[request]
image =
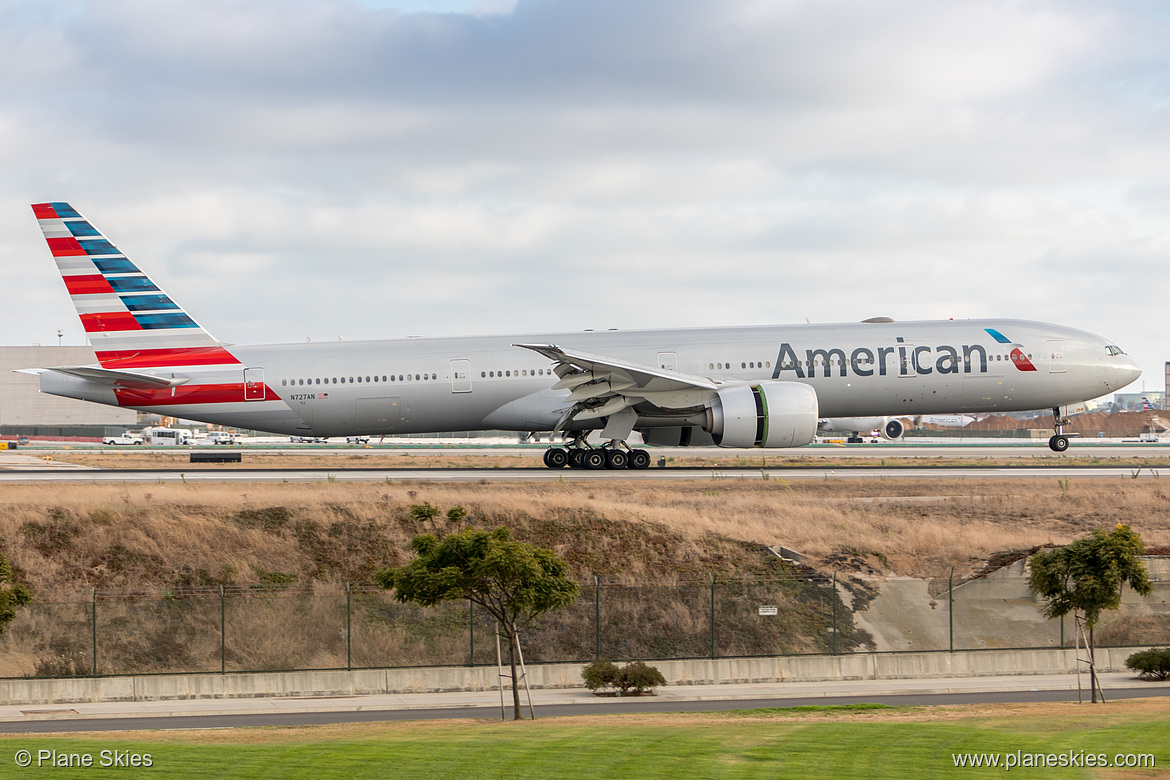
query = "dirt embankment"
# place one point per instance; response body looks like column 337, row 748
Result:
column 67, row 537
column 1089, row 424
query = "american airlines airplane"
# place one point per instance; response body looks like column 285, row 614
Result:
column 742, row 387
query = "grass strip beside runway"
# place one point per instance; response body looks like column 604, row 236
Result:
column 803, row 742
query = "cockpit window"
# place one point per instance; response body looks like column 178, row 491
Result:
column 1114, row 350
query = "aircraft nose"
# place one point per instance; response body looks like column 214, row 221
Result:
column 1125, row 371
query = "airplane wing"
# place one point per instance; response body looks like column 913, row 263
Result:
column 600, row 386
column 115, row 378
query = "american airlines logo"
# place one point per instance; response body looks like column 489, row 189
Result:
column 902, row 359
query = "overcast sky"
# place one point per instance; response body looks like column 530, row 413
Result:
column 379, row 168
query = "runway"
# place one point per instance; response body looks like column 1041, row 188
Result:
column 537, row 474
column 926, row 450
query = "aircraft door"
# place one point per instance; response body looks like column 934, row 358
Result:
column 668, row 361
column 253, row 384
column 460, row 376
column 1056, row 357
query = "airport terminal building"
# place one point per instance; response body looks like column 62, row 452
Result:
column 26, row 411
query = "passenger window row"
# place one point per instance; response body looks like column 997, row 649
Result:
column 522, row 372
column 749, row 364
column 359, row 380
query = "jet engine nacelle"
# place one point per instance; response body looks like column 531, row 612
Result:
column 770, row 414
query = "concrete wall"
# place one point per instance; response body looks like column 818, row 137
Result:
column 861, row 666
column 997, row 611
column 23, row 404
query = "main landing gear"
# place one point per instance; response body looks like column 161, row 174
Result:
column 1059, row 442
column 579, row 455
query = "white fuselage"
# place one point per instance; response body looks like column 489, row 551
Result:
column 484, row 382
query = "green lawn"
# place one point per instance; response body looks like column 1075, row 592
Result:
column 804, row 743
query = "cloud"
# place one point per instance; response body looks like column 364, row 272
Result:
column 390, row 168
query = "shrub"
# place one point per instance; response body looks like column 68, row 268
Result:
column 600, row 674
column 1152, row 664
column 639, row 678
column 634, row 678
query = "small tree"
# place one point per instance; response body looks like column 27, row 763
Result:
column 635, row 676
column 514, row 581
column 1087, row 576
column 12, row 594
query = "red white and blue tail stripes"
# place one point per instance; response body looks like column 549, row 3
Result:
column 130, row 321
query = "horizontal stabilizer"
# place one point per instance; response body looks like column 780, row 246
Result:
column 106, row 376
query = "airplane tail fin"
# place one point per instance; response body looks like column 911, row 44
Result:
column 130, row 321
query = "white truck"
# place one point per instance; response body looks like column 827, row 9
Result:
column 123, row 438
column 223, row 437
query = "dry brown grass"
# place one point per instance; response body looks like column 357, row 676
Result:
column 146, row 535
column 66, row 538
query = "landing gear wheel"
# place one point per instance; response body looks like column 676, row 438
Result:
column 593, row 459
column 639, row 459
column 575, row 459
column 616, row 459
column 556, row 457
column 1058, row 443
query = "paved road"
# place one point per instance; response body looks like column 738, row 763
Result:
column 580, row 706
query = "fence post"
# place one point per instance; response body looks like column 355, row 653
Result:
column 93, row 623
column 348, row 630
column 834, row 596
column 951, row 606
column 712, row 615
column 471, row 628
column 222, row 632
column 596, row 618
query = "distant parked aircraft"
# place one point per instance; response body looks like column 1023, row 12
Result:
column 946, row 420
column 887, row 428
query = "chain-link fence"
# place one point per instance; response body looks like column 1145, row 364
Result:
column 271, row 628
